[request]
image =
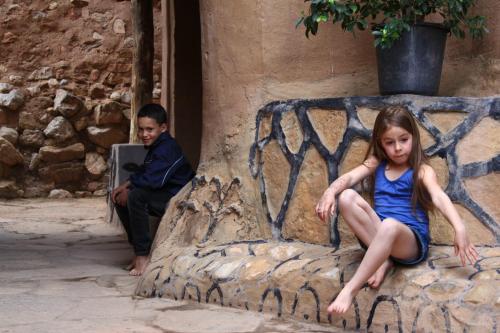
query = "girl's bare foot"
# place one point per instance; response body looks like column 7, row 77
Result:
column 342, row 302
column 140, row 265
column 378, row 277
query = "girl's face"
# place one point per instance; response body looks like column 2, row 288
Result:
column 397, row 144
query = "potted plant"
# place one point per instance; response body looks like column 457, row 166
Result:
column 409, row 50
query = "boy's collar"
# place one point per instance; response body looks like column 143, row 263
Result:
column 162, row 137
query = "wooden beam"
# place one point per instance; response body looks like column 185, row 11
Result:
column 143, row 55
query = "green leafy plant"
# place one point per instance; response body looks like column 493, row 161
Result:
column 394, row 17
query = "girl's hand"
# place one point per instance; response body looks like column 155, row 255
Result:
column 464, row 248
column 326, row 205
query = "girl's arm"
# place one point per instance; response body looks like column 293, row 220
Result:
column 463, row 247
column 326, row 205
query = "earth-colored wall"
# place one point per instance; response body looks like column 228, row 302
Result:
column 244, row 233
column 252, row 55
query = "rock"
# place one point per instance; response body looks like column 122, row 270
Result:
column 56, row 154
column 126, row 97
column 63, row 82
column 3, row 117
column 16, row 80
column 79, row 3
column 100, row 193
column 5, row 87
column 156, row 93
column 119, row 27
column 82, row 194
column 53, row 83
column 35, row 161
column 67, row 104
column 12, row 8
column 43, row 73
column 116, row 96
column 59, row 194
column 8, row 189
column 126, row 113
column 9, row 37
column 34, row 90
column 59, row 129
column 94, row 186
column 9, row 134
column 12, row 100
column 105, row 137
column 35, row 114
column 97, row 90
column 9, row 154
column 95, row 164
column 32, row 138
column 108, row 113
column 97, row 36
column 65, row 172
column 38, row 15
column 129, row 42
column 53, row 5
column 81, row 123
column 94, row 75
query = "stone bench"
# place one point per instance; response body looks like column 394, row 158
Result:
column 254, row 241
column 299, row 280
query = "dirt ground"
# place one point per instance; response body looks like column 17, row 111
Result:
column 61, row 270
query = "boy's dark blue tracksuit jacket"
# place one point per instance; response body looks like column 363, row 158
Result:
column 165, row 167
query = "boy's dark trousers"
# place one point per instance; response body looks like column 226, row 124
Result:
column 135, row 216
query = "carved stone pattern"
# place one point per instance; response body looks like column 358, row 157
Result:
column 444, row 145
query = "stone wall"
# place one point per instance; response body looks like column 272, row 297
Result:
column 64, row 94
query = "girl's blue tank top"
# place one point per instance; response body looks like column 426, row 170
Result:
column 392, row 198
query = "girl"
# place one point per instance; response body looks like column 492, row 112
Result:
column 404, row 189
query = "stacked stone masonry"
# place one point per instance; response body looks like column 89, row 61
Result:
column 291, row 264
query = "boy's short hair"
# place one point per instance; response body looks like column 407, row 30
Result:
column 153, row 111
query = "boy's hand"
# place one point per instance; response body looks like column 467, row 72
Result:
column 120, row 194
column 326, row 205
column 464, row 248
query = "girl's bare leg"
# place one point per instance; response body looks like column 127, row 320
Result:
column 392, row 238
column 364, row 223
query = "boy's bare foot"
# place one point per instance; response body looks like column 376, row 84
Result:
column 131, row 265
column 140, row 265
column 378, row 277
column 342, row 302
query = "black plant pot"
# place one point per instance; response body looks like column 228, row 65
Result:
column 413, row 64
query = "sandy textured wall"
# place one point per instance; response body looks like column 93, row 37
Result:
column 253, row 55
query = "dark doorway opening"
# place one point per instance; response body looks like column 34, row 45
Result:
column 187, row 99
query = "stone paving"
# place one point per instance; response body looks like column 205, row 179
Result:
column 61, row 271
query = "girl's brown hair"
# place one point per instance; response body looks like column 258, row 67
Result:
column 400, row 117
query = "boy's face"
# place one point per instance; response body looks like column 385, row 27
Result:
column 149, row 130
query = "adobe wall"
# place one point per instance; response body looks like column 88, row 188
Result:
column 277, row 129
column 244, row 69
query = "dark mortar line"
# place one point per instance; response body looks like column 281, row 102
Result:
column 215, row 286
column 297, row 257
column 294, row 171
column 307, row 287
column 263, row 197
column 478, row 169
column 277, row 296
column 191, row 285
column 380, row 299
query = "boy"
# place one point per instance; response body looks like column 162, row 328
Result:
column 164, row 172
